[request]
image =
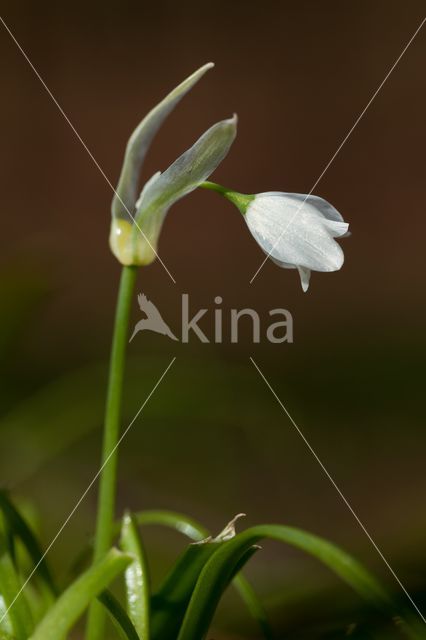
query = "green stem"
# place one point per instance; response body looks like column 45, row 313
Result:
column 108, row 476
column 240, row 200
column 212, row 186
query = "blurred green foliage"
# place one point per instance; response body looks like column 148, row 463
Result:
column 215, row 421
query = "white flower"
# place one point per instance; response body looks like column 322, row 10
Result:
column 297, row 231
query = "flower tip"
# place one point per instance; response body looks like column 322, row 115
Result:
column 127, row 520
column 203, row 69
column 305, row 275
column 233, row 122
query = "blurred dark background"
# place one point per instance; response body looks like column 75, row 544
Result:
column 213, row 441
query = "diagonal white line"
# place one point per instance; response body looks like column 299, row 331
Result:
column 341, row 145
column 339, row 491
column 84, row 145
column 82, row 497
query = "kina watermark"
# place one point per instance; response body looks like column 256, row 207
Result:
column 277, row 330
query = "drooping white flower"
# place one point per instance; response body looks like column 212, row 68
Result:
column 137, row 221
column 297, row 231
column 294, row 230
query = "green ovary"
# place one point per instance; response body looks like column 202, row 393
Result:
column 129, row 245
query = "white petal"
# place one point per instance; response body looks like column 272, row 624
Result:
column 305, row 276
column 296, row 232
column 283, row 265
column 322, row 206
column 139, row 142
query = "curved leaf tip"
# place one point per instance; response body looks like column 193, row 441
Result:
column 125, row 196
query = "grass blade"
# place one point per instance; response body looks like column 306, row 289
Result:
column 19, row 528
column 195, row 531
column 169, row 603
column 72, row 603
column 19, row 614
column 181, row 523
column 215, row 575
column 340, row 562
column 253, row 604
column 122, row 621
column 136, row 578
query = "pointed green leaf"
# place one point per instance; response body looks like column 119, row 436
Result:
column 120, row 618
column 211, row 584
column 72, row 603
column 194, row 530
column 139, row 142
column 169, row 603
column 136, row 577
column 215, row 575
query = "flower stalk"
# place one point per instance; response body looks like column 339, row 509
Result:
column 240, row 200
column 108, row 474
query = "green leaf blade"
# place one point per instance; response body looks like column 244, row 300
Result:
column 197, row 532
column 19, row 528
column 120, row 618
column 215, row 575
column 174, row 520
column 169, row 603
column 136, row 578
column 253, row 604
column 17, row 612
column 340, row 562
column 72, row 603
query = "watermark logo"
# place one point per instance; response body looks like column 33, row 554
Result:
column 153, row 320
column 278, row 330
